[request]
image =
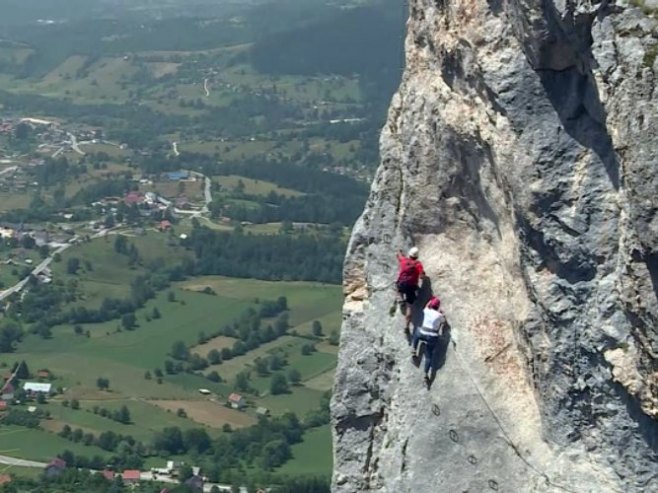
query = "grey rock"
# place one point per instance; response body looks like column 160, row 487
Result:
column 520, row 155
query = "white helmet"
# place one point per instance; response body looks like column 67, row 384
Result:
column 413, row 252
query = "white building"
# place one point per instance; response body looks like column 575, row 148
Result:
column 37, row 388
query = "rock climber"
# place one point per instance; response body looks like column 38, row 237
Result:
column 409, row 278
column 429, row 332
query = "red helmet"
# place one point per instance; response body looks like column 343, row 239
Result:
column 434, row 303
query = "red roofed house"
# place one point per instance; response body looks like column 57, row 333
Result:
column 7, row 392
column 4, row 479
column 132, row 198
column 131, row 476
column 43, row 374
column 109, row 475
column 164, row 225
column 236, row 401
column 55, row 467
column 3, row 406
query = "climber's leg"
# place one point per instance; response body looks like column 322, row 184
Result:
column 430, row 346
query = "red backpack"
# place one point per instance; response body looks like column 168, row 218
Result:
column 408, row 271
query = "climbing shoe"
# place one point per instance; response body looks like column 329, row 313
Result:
column 428, row 381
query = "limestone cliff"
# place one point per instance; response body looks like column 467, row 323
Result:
column 521, row 156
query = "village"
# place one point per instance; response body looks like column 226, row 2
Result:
column 37, row 391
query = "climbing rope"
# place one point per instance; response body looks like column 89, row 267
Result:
column 506, row 436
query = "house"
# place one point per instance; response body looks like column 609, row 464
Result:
column 37, row 387
column 204, row 391
column 109, row 475
column 263, row 411
column 43, row 374
column 236, row 401
column 131, row 476
column 133, row 198
column 176, row 175
column 55, row 467
column 182, row 203
column 5, row 479
column 164, row 225
column 3, row 406
column 7, row 393
column 195, row 483
column 7, row 233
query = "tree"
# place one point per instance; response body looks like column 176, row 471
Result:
column 180, row 412
column 226, row 353
column 294, row 376
column 317, row 328
column 77, row 329
column 169, row 440
column 307, row 349
column 275, row 454
column 197, row 439
column 334, row 338
column 155, row 314
column 185, row 472
column 279, row 384
column 180, row 351
column 121, row 244
column 214, row 357
column 123, row 415
column 102, row 383
column 129, row 321
column 171, row 296
column 242, row 381
column 147, row 375
column 10, row 333
column 158, row 373
column 22, row 370
column 213, row 376
column 72, row 266
column 22, row 131
column 261, row 366
column 75, row 404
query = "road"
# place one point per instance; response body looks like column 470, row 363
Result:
column 74, row 144
column 11, row 461
column 207, row 191
column 45, row 263
column 8, row 170
column 36, row 271
column 205, row 87
column 174, row 146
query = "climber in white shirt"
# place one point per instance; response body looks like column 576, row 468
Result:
column 429, row 332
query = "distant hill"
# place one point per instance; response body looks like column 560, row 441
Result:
column 364, row 40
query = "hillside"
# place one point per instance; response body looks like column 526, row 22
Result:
column 519, row 157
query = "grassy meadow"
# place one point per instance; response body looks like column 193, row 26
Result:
column 125, row 356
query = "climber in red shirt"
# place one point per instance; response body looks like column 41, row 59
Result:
column 409, row 277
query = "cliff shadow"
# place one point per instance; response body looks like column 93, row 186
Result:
column 575, row 98
column 440, row 355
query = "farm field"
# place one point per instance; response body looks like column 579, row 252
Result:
column 253, row 187
column 38, row 445
column 124, row 357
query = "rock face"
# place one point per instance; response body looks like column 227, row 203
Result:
column 521, row 156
